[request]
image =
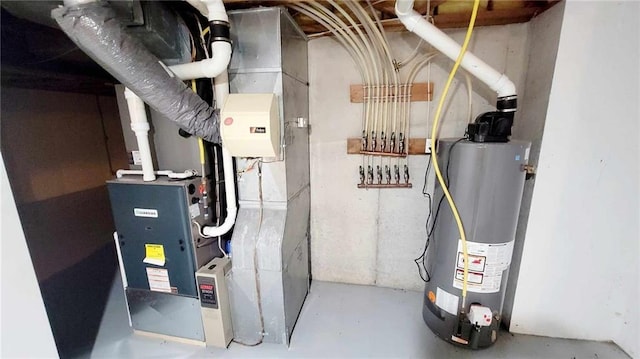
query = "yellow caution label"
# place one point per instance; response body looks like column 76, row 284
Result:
column 154, row 254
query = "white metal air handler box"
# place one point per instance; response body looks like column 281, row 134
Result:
column 250, row 125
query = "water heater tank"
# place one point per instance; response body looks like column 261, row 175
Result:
column 486, row 181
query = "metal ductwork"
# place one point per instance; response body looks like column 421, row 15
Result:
column 95, row 28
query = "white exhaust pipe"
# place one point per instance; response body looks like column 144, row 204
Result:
column 216, row 67
column 222, row 91
column 415, row 23
column 140, row 126
column 208, row 68
column 220, row 48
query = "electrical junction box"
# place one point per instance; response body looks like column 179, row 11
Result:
column 250, row 125
column 214, row 302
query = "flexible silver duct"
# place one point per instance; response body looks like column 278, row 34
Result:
column 96, row 30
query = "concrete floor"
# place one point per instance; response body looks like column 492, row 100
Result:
column 343, row 321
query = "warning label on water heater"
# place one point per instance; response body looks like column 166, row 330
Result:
column 487, row 262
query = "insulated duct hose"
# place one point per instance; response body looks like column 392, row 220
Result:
column 96, row 30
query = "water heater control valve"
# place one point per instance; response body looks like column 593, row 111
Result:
column 480, row 316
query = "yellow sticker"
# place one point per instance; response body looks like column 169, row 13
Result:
column 154, row 254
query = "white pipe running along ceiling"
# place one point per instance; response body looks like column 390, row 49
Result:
column 415, row 23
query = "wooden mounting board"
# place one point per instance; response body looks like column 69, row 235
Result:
column 420, row 91
column 416, row 146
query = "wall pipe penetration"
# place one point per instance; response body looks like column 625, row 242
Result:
column 415, row 23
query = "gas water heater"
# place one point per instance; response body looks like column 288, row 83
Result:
column 486, row 179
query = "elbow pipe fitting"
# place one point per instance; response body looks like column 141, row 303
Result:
column 403, row 7
column 414, row 22
column 209, row 68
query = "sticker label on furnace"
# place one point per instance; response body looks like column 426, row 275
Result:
column 487, row 261
column 158, row 280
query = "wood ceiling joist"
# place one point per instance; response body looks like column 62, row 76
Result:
column 494, row 12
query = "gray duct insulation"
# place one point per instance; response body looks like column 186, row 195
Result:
column 97, row 31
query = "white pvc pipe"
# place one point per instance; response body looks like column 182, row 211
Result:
column 173, row 175
column 220, row 50
column 415, row 23
column 208, row 68
column 216, row 10
column 222, row 91
column 140, row 126
column 212, row 9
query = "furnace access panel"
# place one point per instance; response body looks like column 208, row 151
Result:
column 153, row 221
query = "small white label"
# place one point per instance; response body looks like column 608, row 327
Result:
column 194, row 210
column 487, row 261
column 427, row 146
column 137, row 159
column 145, row 212
column 158, row 280
column 526, row 154
column 447, row 301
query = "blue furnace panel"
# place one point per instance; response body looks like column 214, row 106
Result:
column 171, row 228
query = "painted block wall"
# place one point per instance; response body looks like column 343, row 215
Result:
column 24, row 318
column 372, row 236
column 544, row 35
column 58, row 156
column 579, row 275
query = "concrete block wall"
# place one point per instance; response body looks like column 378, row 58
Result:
column 372, row 236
